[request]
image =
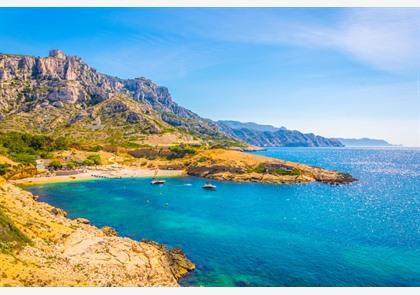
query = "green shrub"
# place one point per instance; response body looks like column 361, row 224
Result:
column 72, row 164
column 55, row 165
column 180, row 151
column 95, row 148
column 88, row 162
column 96, row 159
column 25, row 158
column 287, row 172
column 279, row 171
column 260, row 169
column 4, row 168
column 25, row 148
column 131, row 145
column 46, row 155
column 202, row 159
column 60, row 144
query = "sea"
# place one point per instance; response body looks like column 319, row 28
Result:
column 246, row 234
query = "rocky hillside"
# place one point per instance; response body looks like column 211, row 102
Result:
column 62, row 95
column 270, row 136
column 39, row 246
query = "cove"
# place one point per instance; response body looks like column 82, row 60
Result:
column 362, row 234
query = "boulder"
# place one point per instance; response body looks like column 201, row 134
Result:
column 82, row 220
column 133, row 118
column 109, row 231
column 58, row 212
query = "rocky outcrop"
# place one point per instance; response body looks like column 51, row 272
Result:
column 47, row 249
column 269, row 136
column 241, row 167
column 31, row 84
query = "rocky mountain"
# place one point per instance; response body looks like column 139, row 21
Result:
column 248, row 125
column 267, row 135
column 62, row 95
column 363, row 142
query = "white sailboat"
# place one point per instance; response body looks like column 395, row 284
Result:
column 156, row 180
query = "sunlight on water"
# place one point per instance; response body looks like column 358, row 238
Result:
column 363, row 234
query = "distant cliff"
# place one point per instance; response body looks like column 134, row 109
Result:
column 363, row 142
column 267, row 135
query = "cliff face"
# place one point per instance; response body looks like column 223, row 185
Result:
column 69, row 88
column 39, row 246
column 269, row 136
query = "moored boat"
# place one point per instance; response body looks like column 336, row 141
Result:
column 209, row 186
column 157, row 181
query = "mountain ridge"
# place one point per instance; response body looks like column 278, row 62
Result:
column 364, row 142
column 262, row 136
column 53, row 94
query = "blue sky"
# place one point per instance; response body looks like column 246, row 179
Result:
column 335, row 72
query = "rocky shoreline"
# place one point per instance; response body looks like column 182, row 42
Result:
column 242, row 167
column 52, row 250
column 40, row 246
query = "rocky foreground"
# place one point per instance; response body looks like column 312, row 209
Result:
column 39, row 246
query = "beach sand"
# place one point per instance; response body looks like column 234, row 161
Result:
column 98, row 173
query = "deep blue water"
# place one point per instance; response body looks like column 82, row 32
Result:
column 363, row 234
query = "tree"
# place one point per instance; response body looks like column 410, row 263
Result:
column 71, row 164
column 55, row 165
column 96, row 159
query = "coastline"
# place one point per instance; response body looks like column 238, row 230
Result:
column 46, row 248
column 98, row 173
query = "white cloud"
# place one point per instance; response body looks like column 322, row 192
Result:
column 386, row 38
column 383, row 38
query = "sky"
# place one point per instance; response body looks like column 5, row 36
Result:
column 336, row 72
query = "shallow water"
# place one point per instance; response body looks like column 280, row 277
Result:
column 363, row 234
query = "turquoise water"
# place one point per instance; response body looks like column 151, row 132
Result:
column 363, row 234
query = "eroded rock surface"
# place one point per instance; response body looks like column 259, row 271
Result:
column 64, row 252
column 242, row 167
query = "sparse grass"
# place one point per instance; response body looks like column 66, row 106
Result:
column 287, row 172
column 202, row 159
column 11, row 237
column 132, row 145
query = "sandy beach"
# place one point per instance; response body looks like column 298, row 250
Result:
column 98, row 173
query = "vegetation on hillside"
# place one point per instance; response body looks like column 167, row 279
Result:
column 10, row 236
column 26, row 148
column 273, row 169
column 4, row 168
column 180, row 151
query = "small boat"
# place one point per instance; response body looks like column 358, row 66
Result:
column 157, row 181
column 209, row 186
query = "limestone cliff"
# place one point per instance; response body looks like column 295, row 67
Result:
column 39, row 246
column 58, row 91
